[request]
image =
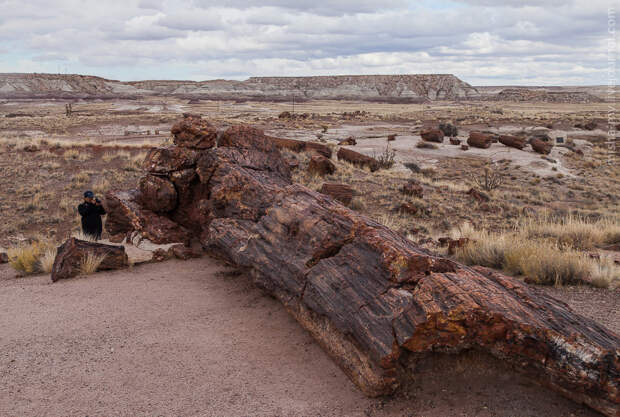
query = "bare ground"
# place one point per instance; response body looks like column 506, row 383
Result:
column 192, row 339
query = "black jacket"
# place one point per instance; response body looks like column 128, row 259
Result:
column 91, row 218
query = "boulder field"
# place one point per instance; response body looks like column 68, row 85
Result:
column 373, row 300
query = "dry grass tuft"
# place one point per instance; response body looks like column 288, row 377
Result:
column 46, row 261
column 90, row 263
column 26, row 258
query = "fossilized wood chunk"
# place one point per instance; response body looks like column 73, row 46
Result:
column 194, row 132
column 479, row 140
column 339, row 192
column 432, row 135
column 157, row 193
column 164, row 160
column 540, row 146
column 512, row 141
column 319, row 165
column 357, row 159
column 73, row 252
column 125, row 214
column 302, row 146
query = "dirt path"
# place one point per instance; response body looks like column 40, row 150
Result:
column 187, row 339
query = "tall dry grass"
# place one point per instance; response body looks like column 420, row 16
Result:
column 573, row 231
column 549, row 258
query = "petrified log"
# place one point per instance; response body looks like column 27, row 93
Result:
column 302, row 146
column 376, row 302
column 339, row 192
column 357, row 159
column 319, row 165
column 164, row 160
column 194, row 132
column 73, row 252
column 125, row 214
column 540, row 146
column 157, row 193
column 432, row 135
column 512, row 141
column 479, row 140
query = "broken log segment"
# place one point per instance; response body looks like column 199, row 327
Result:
column 358, row 159
column 374, row 300
column 71, row 254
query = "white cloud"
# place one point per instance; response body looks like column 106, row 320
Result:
column 481, row 41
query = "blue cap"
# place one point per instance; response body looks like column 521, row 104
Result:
column 89, row 194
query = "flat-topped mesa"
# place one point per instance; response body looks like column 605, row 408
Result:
column 372, row 299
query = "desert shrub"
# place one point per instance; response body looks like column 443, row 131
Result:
column 80, row 235
column 386, row 158
column 90, row 263
column 490, row 178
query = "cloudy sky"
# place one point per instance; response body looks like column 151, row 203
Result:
column 484, row 42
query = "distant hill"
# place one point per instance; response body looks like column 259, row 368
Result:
column 396, row 88
column 413, row 88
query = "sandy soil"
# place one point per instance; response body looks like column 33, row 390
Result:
column 192, row 339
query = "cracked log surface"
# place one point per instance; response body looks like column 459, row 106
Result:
column 372, row 299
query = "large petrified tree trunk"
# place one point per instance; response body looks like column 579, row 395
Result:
column 371, row 298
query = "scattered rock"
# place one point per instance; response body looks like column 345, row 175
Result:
column 479, row 140
column 455, row 141
column 194, row 132
column 185, row 252
column 408, row 208
column 4, row 258
column 357, row 159
column 412, row 188
column 512, row 141
column 391, row 137
column 478, row 195
column 30, row 148
column 448, row 129
column 591, row 125
column 319, row 165
column 340, row 192
column 71, row 254
column 453, row 244
column 464, row 147
column 540, row 146
column 350, row 141
column 425, row 145
column 489, row 208
column 432, row 135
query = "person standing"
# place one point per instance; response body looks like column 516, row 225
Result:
column 91, row 211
